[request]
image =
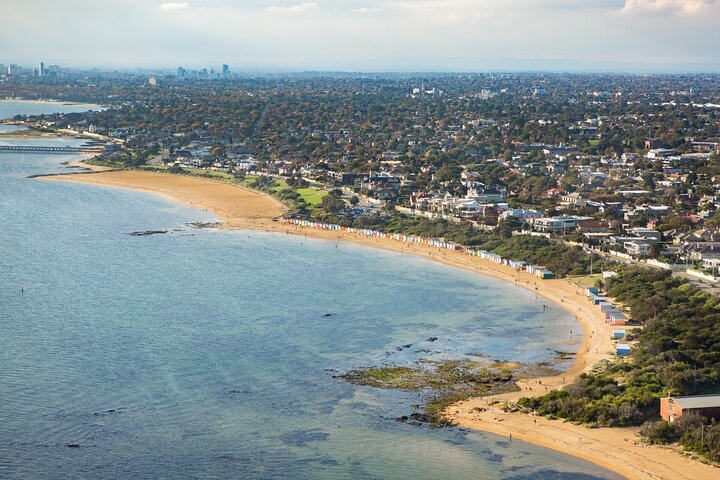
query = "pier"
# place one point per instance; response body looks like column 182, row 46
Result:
column 49, row 149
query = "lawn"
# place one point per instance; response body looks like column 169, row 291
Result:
column 153, row 167
column 193, row 171
column 585, row 281
column 312, row 196
column 210, row 173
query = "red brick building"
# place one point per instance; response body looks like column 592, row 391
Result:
column 672, row 408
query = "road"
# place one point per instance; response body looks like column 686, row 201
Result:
column 704, row 285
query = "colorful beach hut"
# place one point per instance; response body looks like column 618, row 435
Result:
column 618, row 318
column 622, row 349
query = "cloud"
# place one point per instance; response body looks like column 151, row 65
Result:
column 684, row 7
column 366, row 10
column 328, row 34
column 300, row 8
column 174, row 6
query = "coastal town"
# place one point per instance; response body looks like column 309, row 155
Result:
column 607, row 183
column 623, row 167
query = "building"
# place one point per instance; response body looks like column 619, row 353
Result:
column 593, row 226
column 41, row 70
column 563, row 223
column 660, row 153
column 652, row 144
column 521, row 214
column 646, row 233
column 485, row 194
column 702, row 251
column 618, row 318
column 672, row 408
column 153, row 81
column 622, row 349
column 636, row 248
column 573, row 199
column 225, row 70
column 706, row 146
column 346, row 178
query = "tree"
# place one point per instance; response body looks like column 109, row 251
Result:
column 332, row 203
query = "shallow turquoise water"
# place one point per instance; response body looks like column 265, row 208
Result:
column 203, row 353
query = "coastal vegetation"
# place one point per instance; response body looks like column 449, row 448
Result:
column 677, row 352
column 691, row 431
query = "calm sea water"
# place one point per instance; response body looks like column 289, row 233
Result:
column 206, row 354
column 9, row 108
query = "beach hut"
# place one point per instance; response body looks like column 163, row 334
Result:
column 618, row 334
column 597, row 299
column 618, row 319
column 605, row 306
column 544, row 274
column 622, row 349
column 591, row 291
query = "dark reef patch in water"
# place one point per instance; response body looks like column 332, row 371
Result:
column 301, row 438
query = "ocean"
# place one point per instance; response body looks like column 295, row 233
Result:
column 203, row 353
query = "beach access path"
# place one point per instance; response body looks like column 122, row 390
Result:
column 613, row 448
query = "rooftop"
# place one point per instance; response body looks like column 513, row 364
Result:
column 698, row 401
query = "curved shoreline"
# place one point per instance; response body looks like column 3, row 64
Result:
column 248, row 209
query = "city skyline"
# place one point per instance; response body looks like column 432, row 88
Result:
column 370, row 35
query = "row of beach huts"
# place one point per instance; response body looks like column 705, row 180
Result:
column 613, row 316
column 537, row 271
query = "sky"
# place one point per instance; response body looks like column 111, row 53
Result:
column 365, row 35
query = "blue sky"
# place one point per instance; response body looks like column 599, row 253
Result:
column 366, row 34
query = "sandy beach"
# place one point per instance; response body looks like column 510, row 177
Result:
column 616, row 449
column 87, row 166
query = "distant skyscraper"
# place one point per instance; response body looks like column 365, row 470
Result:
column 41, row 70
column 181, row 72
column 226, row 70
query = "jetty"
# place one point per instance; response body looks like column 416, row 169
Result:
column 43, row 149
